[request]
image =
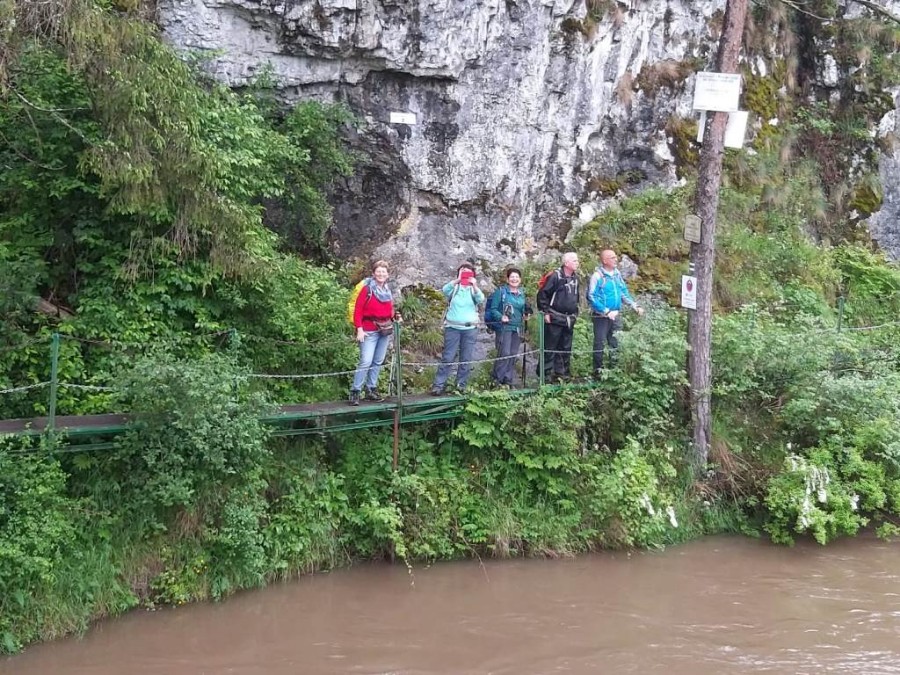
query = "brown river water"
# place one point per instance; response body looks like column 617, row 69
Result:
column 720, row 605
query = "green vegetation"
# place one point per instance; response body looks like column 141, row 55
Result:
column 132, row 222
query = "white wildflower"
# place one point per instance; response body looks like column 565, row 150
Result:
column 671, row 513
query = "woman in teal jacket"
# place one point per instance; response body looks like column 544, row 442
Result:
column 505, row 314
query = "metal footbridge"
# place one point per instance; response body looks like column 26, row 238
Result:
column 81, row 433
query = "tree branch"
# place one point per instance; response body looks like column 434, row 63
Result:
column 52, row 111
column 34, row 106
column 797, row 8
column 884, row 12
column 28, row 159
column 878, row 9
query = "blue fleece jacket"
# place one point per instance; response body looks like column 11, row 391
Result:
column 607, row 291
column 462, row 313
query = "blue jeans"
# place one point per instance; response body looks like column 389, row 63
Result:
column 456, row 340
column 371, row 357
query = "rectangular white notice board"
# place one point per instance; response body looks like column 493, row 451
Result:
column 688, row 291
column 403, row 118
column 717, row 91
column 735, row 129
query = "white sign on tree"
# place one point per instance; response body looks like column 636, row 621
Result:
column 717, row 91
column 735, row 129
column 688, row 292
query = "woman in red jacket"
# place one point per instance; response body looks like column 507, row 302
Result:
column 372, row 317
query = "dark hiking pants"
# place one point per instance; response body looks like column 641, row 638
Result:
column 604, row 333
column 557, row 350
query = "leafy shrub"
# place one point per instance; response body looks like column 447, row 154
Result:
column 37, row 529
column 196, row 432
column 641, row 397
column 629, row 497
column 831, row 491
column 304, row 526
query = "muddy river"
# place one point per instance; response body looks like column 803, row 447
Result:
column 721, row 605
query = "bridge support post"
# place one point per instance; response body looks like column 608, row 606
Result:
column 398, row 375
column 54, row 382
column 541, row 350
column 840, row 321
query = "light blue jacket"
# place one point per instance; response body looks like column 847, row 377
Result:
column 462, row 313
column 607, row 291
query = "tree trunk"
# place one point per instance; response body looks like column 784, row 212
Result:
column 703, row 253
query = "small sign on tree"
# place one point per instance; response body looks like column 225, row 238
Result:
column 720, row 92
column 688, row 292
column 735, row 130
column 692, row 225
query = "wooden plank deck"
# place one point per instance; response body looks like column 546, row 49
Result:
column 97, row 425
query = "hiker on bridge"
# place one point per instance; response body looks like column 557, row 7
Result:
column 606, row 293
column 558, row 298
column 460, row 325
column 373, row 316
column 505, row 314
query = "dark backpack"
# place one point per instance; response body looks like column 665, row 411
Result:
column 492, row 317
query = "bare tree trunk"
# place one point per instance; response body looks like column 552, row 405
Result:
column 703, row 253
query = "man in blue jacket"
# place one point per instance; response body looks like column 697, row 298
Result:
column 606, row 293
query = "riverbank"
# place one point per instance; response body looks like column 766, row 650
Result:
column 196, row 502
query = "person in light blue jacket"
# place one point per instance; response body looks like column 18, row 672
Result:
column 460, row 324
column 606, row 293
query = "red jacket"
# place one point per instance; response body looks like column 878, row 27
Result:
column 369, row 307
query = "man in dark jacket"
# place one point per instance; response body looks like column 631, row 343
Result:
column 558, row 299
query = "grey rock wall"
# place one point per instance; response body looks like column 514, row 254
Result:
column 518, row 105
column 885, row 225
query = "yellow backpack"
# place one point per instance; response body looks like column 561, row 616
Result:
column 354, row 294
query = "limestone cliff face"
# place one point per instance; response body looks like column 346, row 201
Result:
column 885, row 225
column 522, row 108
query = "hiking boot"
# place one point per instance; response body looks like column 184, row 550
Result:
column 374, row 395
column 354, row 397
column 437, row 391
column 461, row 391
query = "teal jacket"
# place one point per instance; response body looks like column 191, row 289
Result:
column 513, row 305
column 607, row 291
column 462, row 313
